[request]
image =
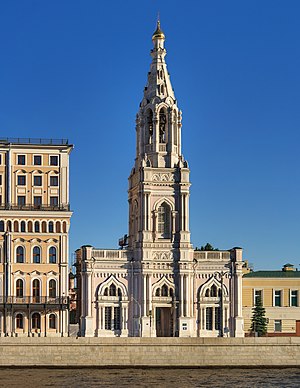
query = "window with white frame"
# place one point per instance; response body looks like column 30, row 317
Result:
column 294, row 298
column 257, row 297
column 277, row 298
column 278, row 325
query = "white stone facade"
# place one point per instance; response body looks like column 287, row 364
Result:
column 159, row 286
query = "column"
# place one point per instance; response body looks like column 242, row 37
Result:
column 181, row 295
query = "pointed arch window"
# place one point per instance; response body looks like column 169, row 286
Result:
column 149, row 132
column 19, row 288
column 51, row 227
column 1, row 226
column 36, row 255
column 36, row 227
column 164, row 221
column 20, row 254
column 52, row 255
column 162, row 126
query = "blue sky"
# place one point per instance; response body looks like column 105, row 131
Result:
column 77, row 69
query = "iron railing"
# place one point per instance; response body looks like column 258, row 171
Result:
column 10, row 206
column 29, row 140
column 34, row 300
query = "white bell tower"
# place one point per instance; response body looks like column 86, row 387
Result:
column 159, row 184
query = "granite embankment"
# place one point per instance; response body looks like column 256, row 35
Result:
column 150, row 352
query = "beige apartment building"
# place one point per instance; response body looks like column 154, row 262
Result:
column 34, row 227
column 279, row 292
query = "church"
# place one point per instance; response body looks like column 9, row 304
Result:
column 157, row 285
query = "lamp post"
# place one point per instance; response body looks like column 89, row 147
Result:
column 134, row 300
column 221, row 275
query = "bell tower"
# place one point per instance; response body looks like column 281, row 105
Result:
column 159, row 184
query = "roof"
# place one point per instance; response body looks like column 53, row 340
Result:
column 272, row 274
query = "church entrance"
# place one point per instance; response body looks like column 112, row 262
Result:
column 164, row 322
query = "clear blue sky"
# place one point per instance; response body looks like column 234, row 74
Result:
column 77, row 69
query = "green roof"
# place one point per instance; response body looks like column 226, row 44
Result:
column 273, row 274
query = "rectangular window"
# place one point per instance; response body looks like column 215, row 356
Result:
column 117, row 318
column 0, row 179
column 37, row 201
column 37, row 180
column 53, row 160
column 277, row 298
column 37, row 160
column 108, row 316
column 209, row 316
column 0, row 159
column 21, row 160
column 217, row 318
column 257, row 296
column 294, row 298
column 21, row 200
column 53, row 180
column 277, row 325
column 22, row 180
column 54, row 201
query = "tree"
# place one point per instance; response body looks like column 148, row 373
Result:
column 208, row 247
column 259, row 320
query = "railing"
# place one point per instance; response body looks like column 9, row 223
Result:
column 110, row 253
column 34, row 300
column 20, row 140
column 61, row 207
column 212, row 255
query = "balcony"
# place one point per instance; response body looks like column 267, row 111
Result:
column 28, row 207
column 34, row 300
column 36, row 141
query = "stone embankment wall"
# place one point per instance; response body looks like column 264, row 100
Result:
column 150, row 352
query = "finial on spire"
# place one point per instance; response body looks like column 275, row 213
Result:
column 158, row 34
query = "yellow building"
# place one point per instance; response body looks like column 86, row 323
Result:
column 34, row 227
column 279, row 292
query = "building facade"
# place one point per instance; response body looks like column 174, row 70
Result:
column 34, row 244
column 158, row 285
column 279, row 292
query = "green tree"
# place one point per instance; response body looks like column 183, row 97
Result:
column 259, row 320
column 208, row 247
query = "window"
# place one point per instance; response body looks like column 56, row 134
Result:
column 36, row 321
column 20, row 255
column 36, row 255
column 1, row 226
column 53, row 181
column 21, row 160
column 22, row 180
column 37, row 160
column 19, row 288
column 164, row 220
column 277, row 298
column 54, row 201
column 294, row 298
column 52, row 255
column 37, row 180
column 23, row 226
column 19, row 321
column 52, row 321
column 21, row 200
column 51, row 227
column 277, row 325
column 53, row 160
column 0, row 179
column 35, row 289
column 36, row 227
column 52, row 288
column 209, row 315
column 257, row 296
column 108, row 316
column 117, row 318
column 164, row 290
column 37, row 202
column 217, row 318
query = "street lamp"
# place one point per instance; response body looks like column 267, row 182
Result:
column 221, row 275
column 134, row 300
